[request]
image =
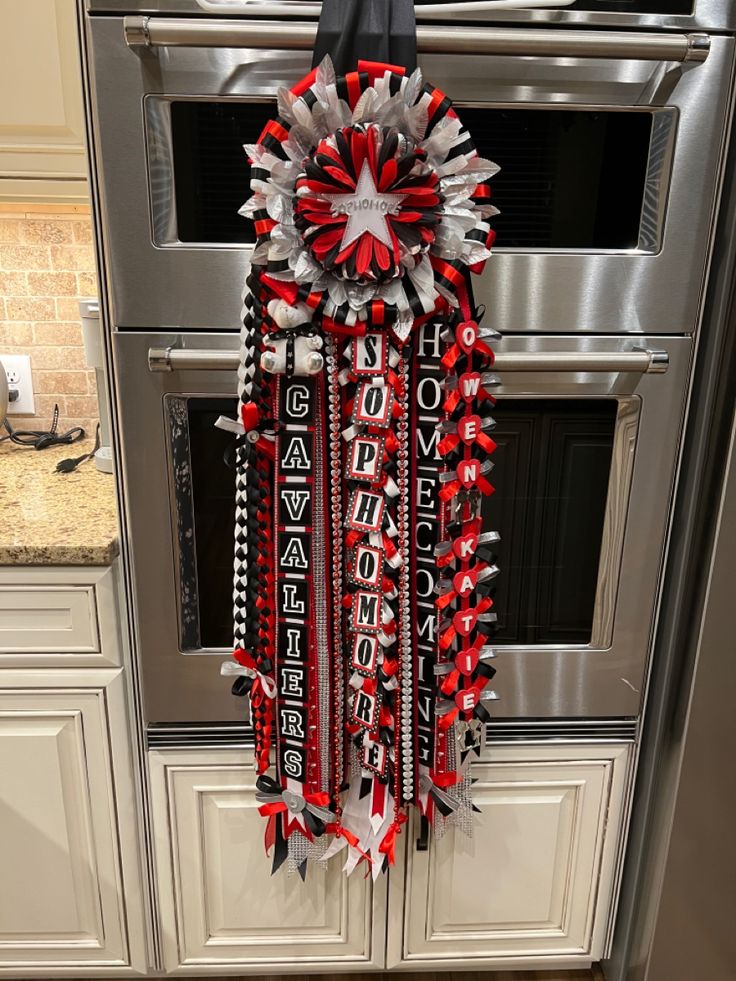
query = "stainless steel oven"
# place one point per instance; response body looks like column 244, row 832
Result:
column 609, row 143
column 588, row 434
column 608, row 120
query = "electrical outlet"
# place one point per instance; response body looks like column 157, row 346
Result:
column 18, row 372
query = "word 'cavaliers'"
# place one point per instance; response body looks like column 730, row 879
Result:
column 364, row 572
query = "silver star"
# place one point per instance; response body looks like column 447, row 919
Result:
column 366, row 209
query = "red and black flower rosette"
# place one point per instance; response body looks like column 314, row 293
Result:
column 401, row 188
column 404, row 140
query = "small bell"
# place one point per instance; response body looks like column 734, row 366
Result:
column 268, row 361
column 315, row 363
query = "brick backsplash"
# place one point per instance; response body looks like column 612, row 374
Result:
column 46, row 266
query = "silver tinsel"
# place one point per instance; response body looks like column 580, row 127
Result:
column 407, row 111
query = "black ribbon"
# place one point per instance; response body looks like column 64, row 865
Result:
column 368, row 30
column 302, row 330
column 267, row 785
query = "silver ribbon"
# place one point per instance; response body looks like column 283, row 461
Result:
column 295, row 804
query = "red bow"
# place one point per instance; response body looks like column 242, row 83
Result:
column 449, row 635
column 446, row 598
column 456, row 349
column 388, row 845
column 449, row 442
column 450, row 490
column 320, row 799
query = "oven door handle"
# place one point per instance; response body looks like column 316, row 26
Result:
column 154, row 32
column 636, row 361
column 428, row 10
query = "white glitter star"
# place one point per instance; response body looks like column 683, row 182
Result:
column 366, row 209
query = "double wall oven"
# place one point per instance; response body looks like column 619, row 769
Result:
column 608, row 121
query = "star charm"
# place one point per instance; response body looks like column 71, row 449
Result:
column 366, row 209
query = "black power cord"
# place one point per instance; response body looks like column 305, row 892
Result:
column 66, row 466
column 40, row 439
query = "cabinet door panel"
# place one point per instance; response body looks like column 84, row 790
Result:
column 534, row 880
column 219, row 902
column 42, row 125
column 61, row 896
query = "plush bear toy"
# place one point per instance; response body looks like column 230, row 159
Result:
column 295, row 348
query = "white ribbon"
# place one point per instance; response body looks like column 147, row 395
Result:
column 232, row 668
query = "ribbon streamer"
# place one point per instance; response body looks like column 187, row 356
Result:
column 370, row 206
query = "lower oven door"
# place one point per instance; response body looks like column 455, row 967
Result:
column 584, row 475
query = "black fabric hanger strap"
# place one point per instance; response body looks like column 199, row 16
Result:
column 369, row 30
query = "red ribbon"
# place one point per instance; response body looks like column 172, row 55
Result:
column 445, row 721
column 385, row 718
column 450, row 681
column 339, row 832
column 449, row 442
column 250, row 416
column 449, row 635
column 320, row 799
column 269, row 836
column 388, row 845
column 444, row 780
column 454, row 351
column 446, row 598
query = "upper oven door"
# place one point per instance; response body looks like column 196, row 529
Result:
column 608, row 181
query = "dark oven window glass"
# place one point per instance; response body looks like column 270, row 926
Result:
column 211, row 169
column 569, row 178
column 551, row 478
column 621, row 6
column 203, row 484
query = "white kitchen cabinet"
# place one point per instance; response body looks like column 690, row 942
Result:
column 42, row 126
column 533, row 887
column 219, row 906
column 70, row 884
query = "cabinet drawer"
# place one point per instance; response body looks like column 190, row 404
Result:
column 55, row 617
column 48, row 619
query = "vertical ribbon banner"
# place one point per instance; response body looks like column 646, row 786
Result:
column 363, row 576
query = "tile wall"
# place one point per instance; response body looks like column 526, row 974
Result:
column 46, row 266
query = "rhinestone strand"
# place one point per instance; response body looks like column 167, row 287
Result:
column 319, row 564
column 335, row 422
column 406, row 674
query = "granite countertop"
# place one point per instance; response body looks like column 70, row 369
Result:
column 49, row 518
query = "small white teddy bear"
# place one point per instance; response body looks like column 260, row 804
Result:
column 304, row 357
